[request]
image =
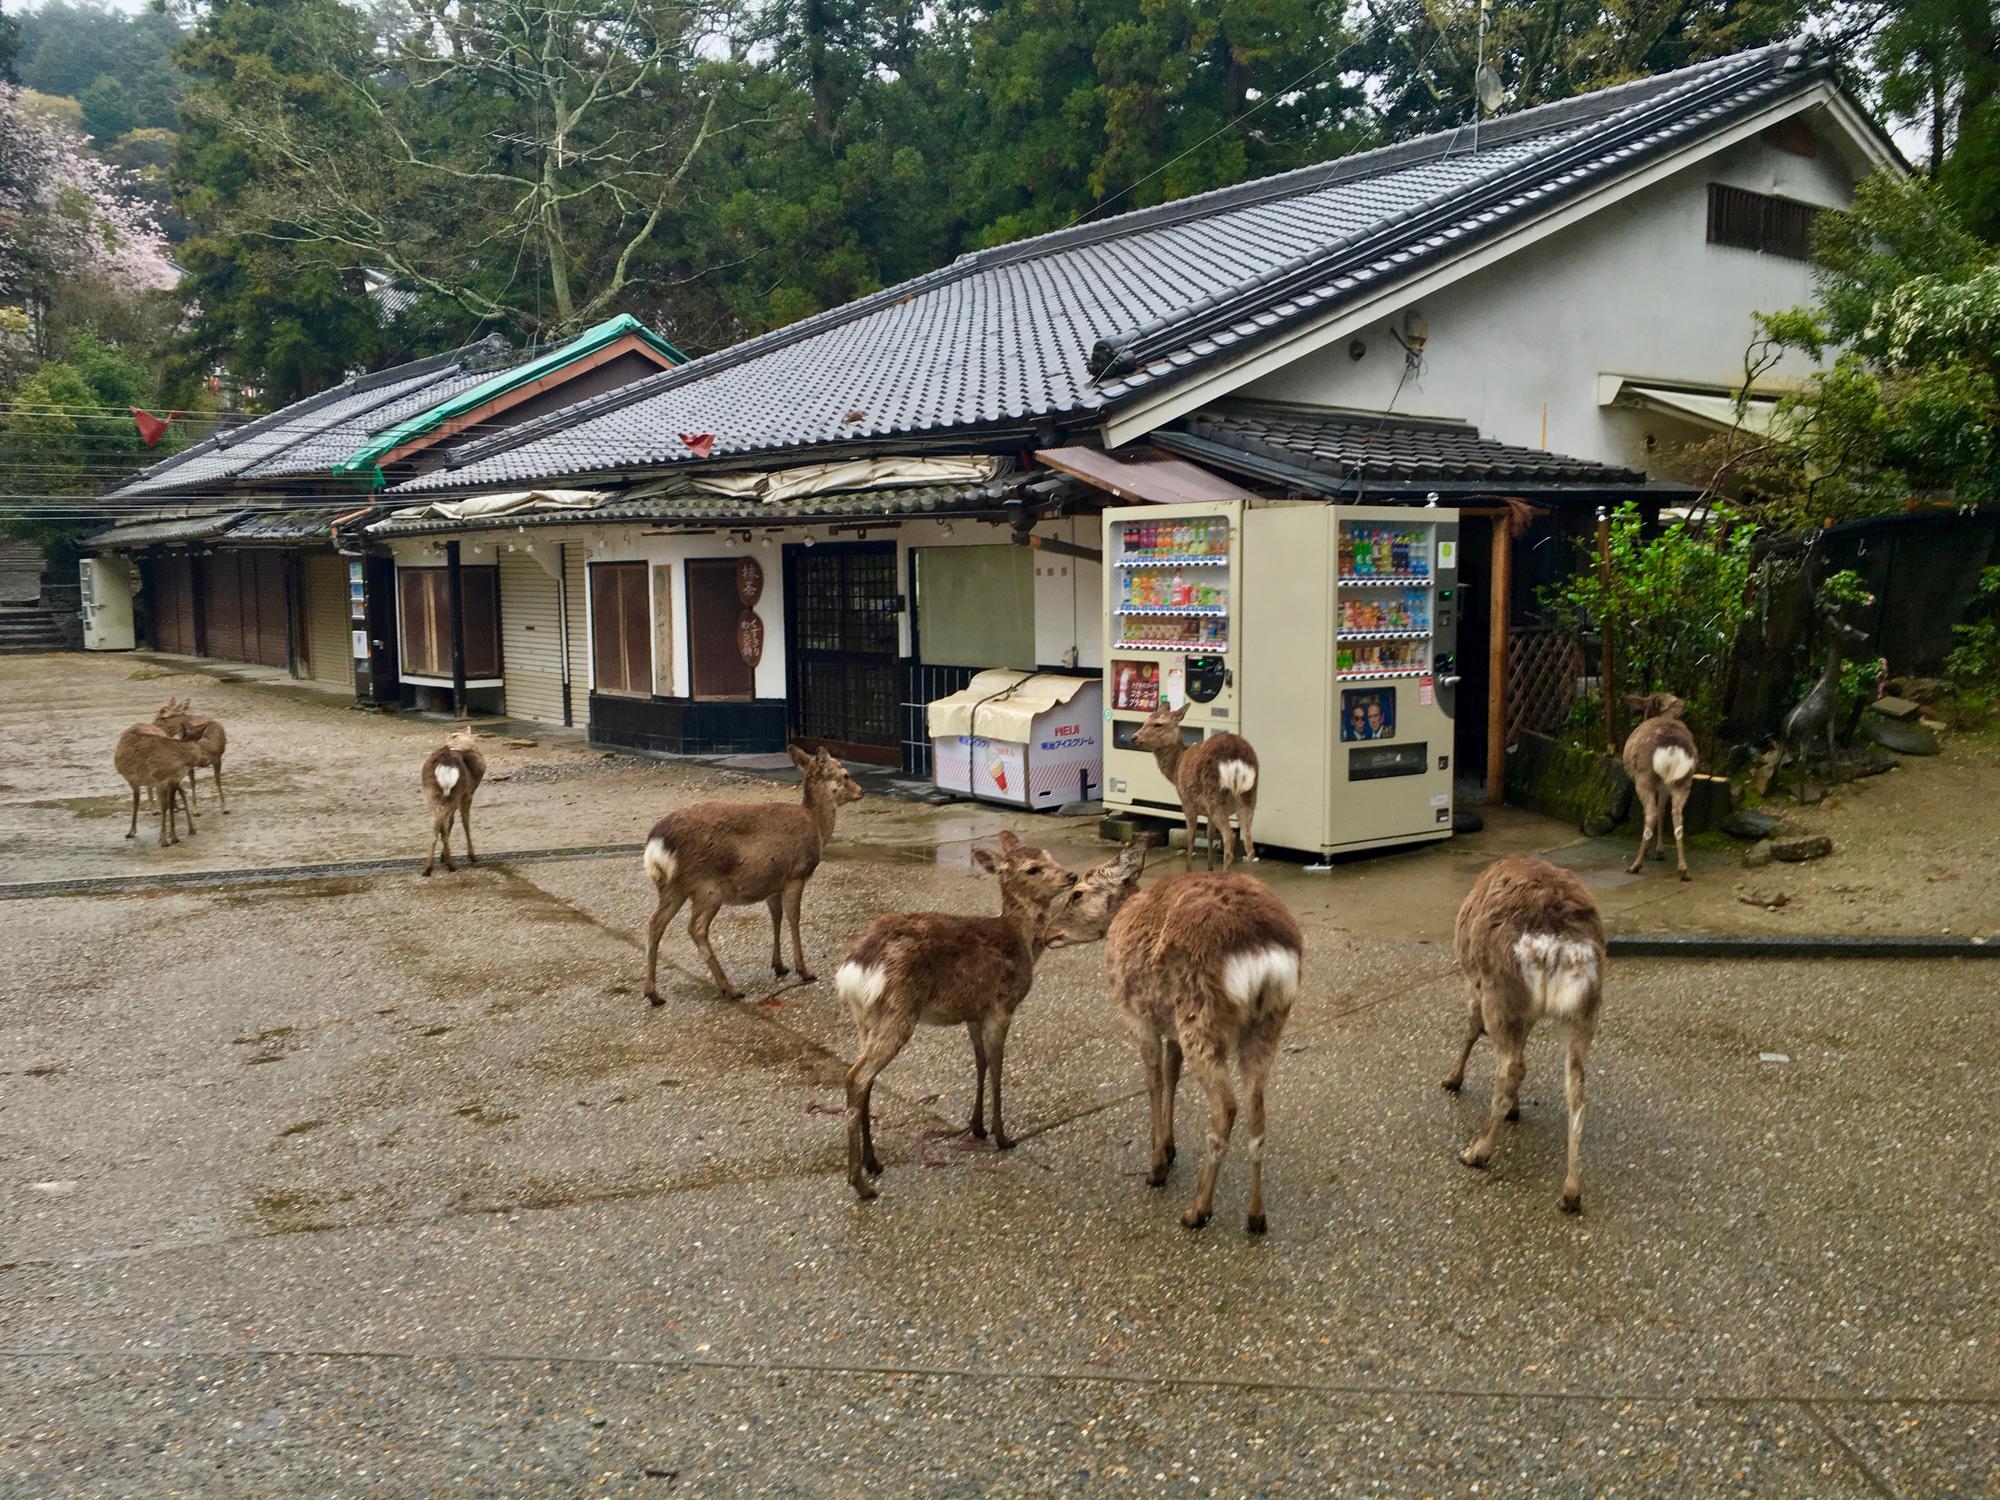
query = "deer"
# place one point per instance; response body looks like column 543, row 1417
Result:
column 178, row 718
column 1815, row 712
column 1204, row 967
column 1531, row 946
column 1213, row 778
column 450, row 775
column 717, row 854
column 147, row 756
column 941, row 969
column 1660, row 757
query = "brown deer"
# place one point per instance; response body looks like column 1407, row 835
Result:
column 1203, row 966
column 450, row 776
column 1661, row 758
column 940, row 969
column 1213, row 778
column 717, row 854
column 178, row 718
column 1531, row 946
column 147, row 756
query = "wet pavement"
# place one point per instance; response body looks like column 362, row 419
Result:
column 376, row 1185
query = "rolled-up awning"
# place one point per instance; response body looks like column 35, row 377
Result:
column 1143, row 474
column 1711, row 408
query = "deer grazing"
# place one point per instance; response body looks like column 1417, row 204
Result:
column 1213, row 778
column 178, row 718
column 938, row 969
column 1661, row 758
column 1204, row 967
column 717, row 854
column 148, row 756
column 450, row 776
column 1531, row 946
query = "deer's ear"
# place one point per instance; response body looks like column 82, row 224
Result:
column 799, row 758
column 1131, row 864
column 822, row 759
column 1637, row 704
column 986, row 859
column 1180, row 713
column 1009, row 844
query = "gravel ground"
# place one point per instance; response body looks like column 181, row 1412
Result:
column 379, row 1186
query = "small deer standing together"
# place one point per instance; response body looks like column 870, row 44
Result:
column 160, row 760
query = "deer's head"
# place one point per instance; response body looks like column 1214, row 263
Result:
column 1161, row 731
column 1100, row 892
column 1030, row 878
column 826, row 778
column 461, row 740
column 1656, row 705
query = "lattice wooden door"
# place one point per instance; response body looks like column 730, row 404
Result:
column 841, row 602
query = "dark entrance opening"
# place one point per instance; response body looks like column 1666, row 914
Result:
column 841, row 608
column 1475, row 638
column 385, row 677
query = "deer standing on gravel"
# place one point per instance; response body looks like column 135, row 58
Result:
column 147, row 756
column 1203, row 967
column 1531, row 946
column 178, row 718
column 1213, row 778
column 1660, row 757
column 717, row 854
column 939, row 969
column 450, row 776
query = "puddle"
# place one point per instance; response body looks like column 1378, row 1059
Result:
column 89, row 807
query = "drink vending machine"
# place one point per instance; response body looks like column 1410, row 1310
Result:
column 1326, row 635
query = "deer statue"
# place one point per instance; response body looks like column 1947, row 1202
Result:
column 940, row 969
column 1531, row 946
column 1213, row 778
column 1204, row 967
column 450, row 776
column 147, row 756
column 1814, row 714
column 1660, row 757
column 179, row 718
column 718, row 854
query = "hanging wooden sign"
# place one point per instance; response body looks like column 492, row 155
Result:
column 750, row 637
column 749, row 582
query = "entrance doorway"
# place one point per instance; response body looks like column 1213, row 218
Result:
column 841, row 607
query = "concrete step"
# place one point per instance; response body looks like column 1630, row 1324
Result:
column 26, row 630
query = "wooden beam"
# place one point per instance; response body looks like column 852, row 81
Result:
column 1499, row 610
column 1057, row 545
column 455, row 605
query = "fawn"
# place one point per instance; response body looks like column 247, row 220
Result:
column 178, row 718
column 1660, row 757
column 1213, row 778
column 1202, row 966
column 719, row 854
column 940, row 969
column 147, row 756
column 450, row 776
column 1531, row 945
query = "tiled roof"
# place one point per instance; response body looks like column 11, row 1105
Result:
column 1054, row 331
column 1350, row 452
column 175, row 529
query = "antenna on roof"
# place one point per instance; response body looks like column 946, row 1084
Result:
column 1486, row 89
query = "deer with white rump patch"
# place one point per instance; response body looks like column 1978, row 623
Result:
column 718, row 854
column 1531, row 946
column 940, row 969
column 1661, row 758
column 1203, row 967
column 1213, row 778
column 450, row 776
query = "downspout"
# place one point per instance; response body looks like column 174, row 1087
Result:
column 562, row 613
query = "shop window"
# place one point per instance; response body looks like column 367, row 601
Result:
column 621, row 629
column 1757, row 221
column 426, row 621
column 715, row 658
column 976, row 606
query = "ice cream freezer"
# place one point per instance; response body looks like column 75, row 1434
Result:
column 1030, row 739
column 1326, row 635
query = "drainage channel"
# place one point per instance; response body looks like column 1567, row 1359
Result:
column 206, row 880
column 1795, row 945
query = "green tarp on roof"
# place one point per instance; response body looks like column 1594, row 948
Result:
column 364, row 464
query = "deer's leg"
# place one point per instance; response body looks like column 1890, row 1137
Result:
column 878, row 1049
column 671, row 900
column 166, row 801
column 794, row 895
column 1475, row 1027
column 1648, row 815
column 978, row 1125
column 445, row 816
column 191, row 789
column 996, row 1054
column 1170, row 1085
column 430, row 849
column 133, row 831
column 1153, row 1063
column 186, row 803
column 465, row 827
column 1214, row 1079
column 1246, row 809
column 224, row 801
column 1579, row 1053
column 1193, row 826
column 1510, row 1066
column 777, row 908
column 1254, row 1054
column 1681, row 792
column 705, row 908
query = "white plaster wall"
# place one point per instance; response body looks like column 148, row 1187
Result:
column 1634, row 290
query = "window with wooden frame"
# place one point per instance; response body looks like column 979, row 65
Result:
column 621, row 629
column 1758, row 221
column 425, row 634
column 716, row 667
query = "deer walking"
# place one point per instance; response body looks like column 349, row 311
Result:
column 147, row 756
column 1531, row 946
column 1660, row 757
column 939, row 969
column 450, row 776
column 717, row 854
column 179, row 718
column 1204, row 967
column 1213, row 778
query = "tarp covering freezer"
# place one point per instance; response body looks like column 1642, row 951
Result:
column 1032, row 739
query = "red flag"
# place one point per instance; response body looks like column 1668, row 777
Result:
column 700, row 444
column 151, row 428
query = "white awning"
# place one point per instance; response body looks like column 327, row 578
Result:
column 1712, row 408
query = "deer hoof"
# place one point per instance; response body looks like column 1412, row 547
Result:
column 1572, row 1203
column 806, row 976
column 1172, row 1154
column 1686, row 876
column 1157, row 1178
column 1002, row 1142
column 865, row 1190
column 977, row 1129
column 1637, row 866
column 653, row 998
column 472, row 859
column 871, row 1166
column 1255, row 1224
column 1452, row 1085
column 780, row 970
column 1196, row 1218
column 1473, row 1159
column 728, row 993
column 1514, row 1113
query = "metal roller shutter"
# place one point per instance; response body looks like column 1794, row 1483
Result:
column 222, row 605
column 264, row 572
column 530, row 638
column 329, row 644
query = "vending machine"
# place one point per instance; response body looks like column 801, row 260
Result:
column 1327, row 638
